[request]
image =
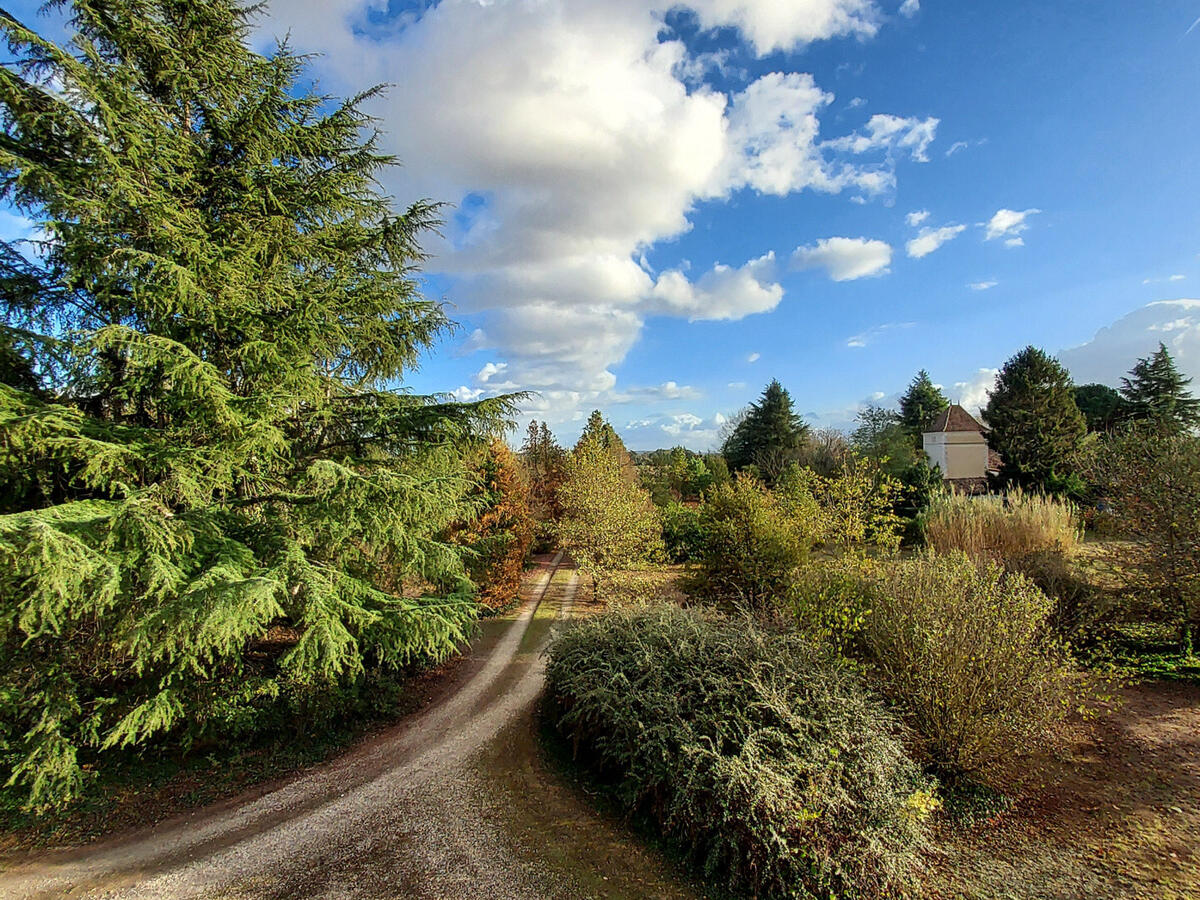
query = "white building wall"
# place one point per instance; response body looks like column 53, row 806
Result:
column 959, row 454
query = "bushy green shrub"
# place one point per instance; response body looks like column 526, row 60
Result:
column 967, row 652
column 752, row 544
column 832, row 599
column 608, row 521
column 765, row 759
column 683, row 535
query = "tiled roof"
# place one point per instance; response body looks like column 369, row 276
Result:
column 955, row 418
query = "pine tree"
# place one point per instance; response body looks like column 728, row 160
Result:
column 770, row 434
column 1157, row 392
column 920, row 405
column 544, row 462
column 1033, row 420
column 1103, row 407
column 203, row 439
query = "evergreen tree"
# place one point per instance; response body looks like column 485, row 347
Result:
column 544, row 462
column 1103, row 407
column 1033, row 420
column 1153, row 477
column 1157, row 392
column 920, row 405
column 203, row 439
column 599, row 430
column 769, row 435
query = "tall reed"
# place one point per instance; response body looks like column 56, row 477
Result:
column 1002, row 527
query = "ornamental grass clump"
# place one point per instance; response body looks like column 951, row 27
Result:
column 759, row 754
column 1002, row 528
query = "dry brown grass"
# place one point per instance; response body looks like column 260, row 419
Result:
column 1002, row 528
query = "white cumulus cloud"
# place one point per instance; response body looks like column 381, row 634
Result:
column 972, row 394
column 1113, row 350
column 571, row 138
column 892, row 133
column 1009, row 224
column 845, row 259
column 916, row 217
column 930, row 239
column 982, row 285
column 721, row 293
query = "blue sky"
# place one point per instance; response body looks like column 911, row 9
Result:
column 647, row 198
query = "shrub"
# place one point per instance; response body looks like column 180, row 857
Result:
column 683, row 534
column 1001, row 528
column 752, row 545
column 768, row 762
column 965, row 650
column 850, row 508
column 832, row 600
column 1152, row 477
column 629, row 588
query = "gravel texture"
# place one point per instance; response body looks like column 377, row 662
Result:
column 409, row 813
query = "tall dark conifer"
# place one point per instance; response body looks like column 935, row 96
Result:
column 1156, row 391
column 1102, row 406
column 769, row 435
column 920, row 404
column 1033, row 420
column 202, row 439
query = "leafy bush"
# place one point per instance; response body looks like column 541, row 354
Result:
column 1001, row 528
column 683, row 533
column 1152, row 477
column 632, row 587
column 752, row 545
column 965, row 650
column 850, row 508
column 831, row 601
column 920, row 483
column 765, row 759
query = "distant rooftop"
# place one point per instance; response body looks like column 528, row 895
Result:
column 955, row 418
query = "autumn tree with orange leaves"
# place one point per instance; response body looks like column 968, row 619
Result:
column 500, row 535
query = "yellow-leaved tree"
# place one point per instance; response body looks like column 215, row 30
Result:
column 608, row 521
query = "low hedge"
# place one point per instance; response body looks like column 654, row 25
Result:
column 762, row 757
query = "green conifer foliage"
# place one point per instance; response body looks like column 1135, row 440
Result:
column 1034, row 421
column 1103, row 407
column 920, row 405
column 201, row 437
column 1156, row 391
column 770, row 435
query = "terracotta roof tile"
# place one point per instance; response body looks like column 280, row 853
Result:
column 955, row 418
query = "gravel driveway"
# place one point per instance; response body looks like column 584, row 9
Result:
column 424, row 810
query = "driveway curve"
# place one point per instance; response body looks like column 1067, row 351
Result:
column 454, row 802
